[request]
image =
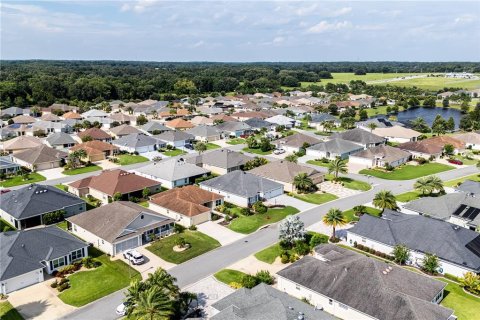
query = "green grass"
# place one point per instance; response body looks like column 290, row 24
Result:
column 269, row 254
column 88, row 286
column 228, row 276
column 81, row 170
column 63, row 225
column 126, row 159
column 350, row 183
column 408, row 172
column 62, row 187
column 465, row 305
column 467, row 162
column 236, row 141
column 249, row 224
column 316, row 198
column 408, row 196
column 8, row 312
column 350, row 215
column 18, row 180
column 454, row 182
column 144, row 204
column 4, row 224
column 199, row 242
column 212, row 146
column 173, row 153
column 319, row 163
column 257, row 151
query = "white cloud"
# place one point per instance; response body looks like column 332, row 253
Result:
column 325, row 26
column 302, row 11
column 138, row 6
column 341, row 12
column 465, row 18
column 20, row 8
column 278, row 40
column 198, row 44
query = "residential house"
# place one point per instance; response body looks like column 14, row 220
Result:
column 205, row 133
column 378, row 122
column 223, row 118
column 264, row 302
column 179, row 124
column 104, row 122
column 25, row 207
column 60, row 140
column 48, row 127
column 351, row 285
column 119, row 226
column 95, row 134
column 8, row 166
column 220, row 161
column 94, row 113
column 25, row 256
column 123, row 118
column 284, row 172
column 96, row 150
column 174, row 138
column 360, row 137
column 201, row 120
column 294, row 142
column 40, row 158
column 172, row 172
column 11, row 112
column 188, row 205
column 72, row 115
column 7, row 133
column 432, row 147
column 24, row 119
column 154, row 128
column 234, row 129
column 456, row 248
column 136, row 142
column 21, row 143
column 245, row 115
column 123, row 130
column 108, row 183
column 282, row 120
column 470, row 187
column 397, row 134
column 471, row 139
column 332, row 149
column 50, row 117
column 317, row 120
column 380, row 156
column 247, row 189
column 258, row 124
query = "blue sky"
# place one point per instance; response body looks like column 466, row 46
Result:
column 241, row 30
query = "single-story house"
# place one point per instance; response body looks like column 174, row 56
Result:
column 201, row 120
column 360, row 137
column 245, row 115
column 50, row 117
column 25, row 256
column 350, row 285
column 246, row 189
column 12, row 112
column 105, row 185
column 72, row 115
column 205, row 133
column 220, row 161
column 282, row 120
column 188, row 205
column 172, row 172
column 174, row 138
column 259, row 124
column 284, row 172
column 317, row 120
column 378, row 122
column 456, row 248
column 332, row 149
column 25, row 207
column 154, row 128
column 471, row 139
column 95, row 134
column 21, row 143
column 104, row 122
column 94, row 113
column 123, row 130
column 264, row 302
column 40, row 158
column 119, row 226
column 432, row 147
column 294, row 142
column 234, row 128
column 23, row 119
column 8, row 166
column 179, row 124
column 136, row 142
column 48, row 127
column 124, row 118
column 96, row 150
column 60, row 140
column 397, row 134
column 223, row 117
column 380, row 156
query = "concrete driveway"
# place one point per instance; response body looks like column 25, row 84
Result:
column 54, row 173
column 220, row 233
column 39, row 302
column 152, row 262
column 290, row 201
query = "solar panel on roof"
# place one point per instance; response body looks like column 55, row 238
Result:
column 471, row 213
column 474, row 246
column 459, row 210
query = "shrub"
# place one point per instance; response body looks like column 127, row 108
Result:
column 259, row 207
column 180, row 242
column 67, row 269
column 178, row 228
column 96, row 264
column 284, row 258
column 62, row 281
column 263, row 276
column 249, row 281
column 87, row 262
column 54, row 284
column 63, row 287
column 235, row 285
column 301, row 248
column 293, row 258
column 317, row 239
column 246, row 212
column 53, row 217
column 421, row 160
column 285, row 245
column 193, row 228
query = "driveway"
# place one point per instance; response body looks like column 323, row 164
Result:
column 106, row 164
column 290, row 201
column 220, row 233
column 252, row 265
column 54, row 173
column 39, row 302
column 337, row 189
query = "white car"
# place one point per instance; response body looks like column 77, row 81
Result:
column 121, row 309
column 278, row 151
column 133, row 256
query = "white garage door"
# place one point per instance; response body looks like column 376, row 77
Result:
column 125, row 245
column 23, row 281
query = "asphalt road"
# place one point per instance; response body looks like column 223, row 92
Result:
column 200, row 267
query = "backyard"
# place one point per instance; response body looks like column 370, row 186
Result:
column 8, row 312
column 18, row 180
column 408, row 172
column 90, row 168
column 248, row 224
column 228, row 276
column 88, row 286
column 126, row 159
column 199, row 244
column 315, row 198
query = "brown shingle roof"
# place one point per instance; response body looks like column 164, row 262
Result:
column 433, row 145
column 179, row 123
column 23, row 119
column 22, row 142
column 95, row 133
column 72, row 115
column 223, row 117
column 94, row 147
column 40, row 154
column 124, row 129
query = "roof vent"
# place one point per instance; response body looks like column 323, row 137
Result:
column 290, row 307
column 384, row 272
column 23, row 245
column 142, row 216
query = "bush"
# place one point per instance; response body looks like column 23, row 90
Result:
column 263, row 276
column 54, row 284
column 193, row 228
column 284, row 258
column 259, row 207
column 67, row 269
column 285, row 245
column 63, row 287
column 235, row 285
column 421, row 160
column 293, row 258
column 317, row 239
column 301, row 248
column 62, row 281
column 87, row 262
column 246, row 212
column 53, row 217
column 178, row 228
column 249, row 281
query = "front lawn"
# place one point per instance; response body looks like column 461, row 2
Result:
column 8, row 312
column 173, row 153
column 350, row 214
column 18, row 180
column 126, row 159
column 408, row 196
column 350, row 183
column 88, row 286
column 81, row 170
column 199, row 244
column 212, row 146
column 465, row 305
column 248, row 224
column 236, row 141
column 315, row 198
column 408, row 172
column 455, row 182
column 257, row 151
column 63, row 225
column 269, row 254
column 319, row 163
column 228, row 276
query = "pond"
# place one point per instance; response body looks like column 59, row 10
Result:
column 429, row 114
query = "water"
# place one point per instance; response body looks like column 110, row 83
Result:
column 429, row 114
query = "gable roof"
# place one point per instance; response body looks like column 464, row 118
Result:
column 22, row 142
column 173, row 136
column 36, row 199
column 135, row 140
column 359, row 136
column 284, row 171
column 94, row 147
column 432, row 145
column 297, row 140
column 95, row 133
column 113, row 181
column 383, row 152
column 356, row 280
column 23, row 251
column 60, row 138
column 417, row 232
column 223, row 158
column 124, row 129
column 118, row 219
column 337, row 146
column 40, row 154
column 172, row 170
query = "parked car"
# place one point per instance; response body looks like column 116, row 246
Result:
column 189, row 146
column 133, row 256
column 4, row 191
column 278, row 151
column 121, row 309
column 455, row 161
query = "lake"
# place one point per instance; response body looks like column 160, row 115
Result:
column 429, row 114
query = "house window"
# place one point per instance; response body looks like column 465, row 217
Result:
column 218, row 202
column 77, row 254
column 57, row 263
column 364, row 239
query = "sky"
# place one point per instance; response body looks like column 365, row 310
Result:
column 240, row 31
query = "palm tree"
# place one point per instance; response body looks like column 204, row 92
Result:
column 359, row 210
column 327, row 126
column 164, row 280
column 435, row 183
column 334, row 218
column 385, row 200
column 291, row 158
column 152, row 304
column 200, row 147
column 337, row 166
column 423, row 185
column 372, row 126
column 132, row 294
column 302, row 182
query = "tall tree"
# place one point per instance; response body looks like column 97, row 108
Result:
column 337, row 166
column 334, row 218
column 302, row 182
column 291, row 230
column 152, row 304
column 423, row 185
column 200, row 147
column 385, row 200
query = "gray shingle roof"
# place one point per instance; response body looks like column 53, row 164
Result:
column 359, row 136
column 264, row 303
column 321, row 117
column 135, row 140
column 60, row 138
column 222, row 158
column 151, row 126
column 423, row 234
column 258, row 123
column 172, row 170
column 242, row 183
column 173, row 135
column 35, row 199
column 384, row 152
column 337, row 146
column 204, row 131
column 22, row 251
column 470, row 186
column 358, row 281
column 231, row 126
